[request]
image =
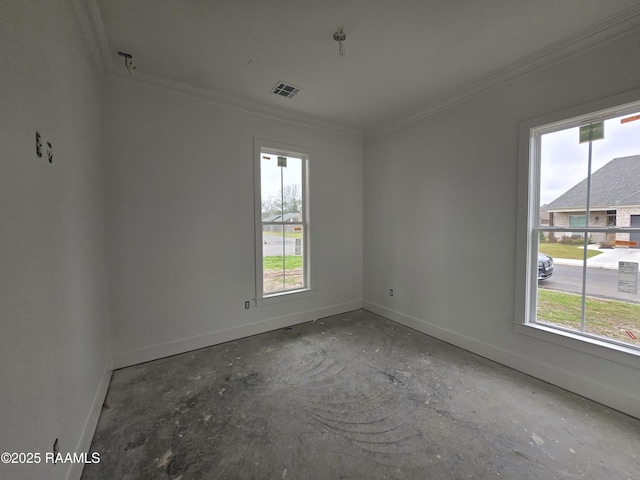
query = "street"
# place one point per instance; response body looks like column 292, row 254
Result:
column 601, row 282
column 273, row 244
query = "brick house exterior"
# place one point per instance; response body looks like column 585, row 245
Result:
column 615, row 201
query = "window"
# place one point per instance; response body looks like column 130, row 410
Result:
column 581, row 272
column 577, row 221
column 282, row 259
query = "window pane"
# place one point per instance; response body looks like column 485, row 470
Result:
column 283, row 223
column 560, row 301
column 283, row 255
column 270, row 188
column 292, row 189
column 281, row 188
column 563, row 170
column 294, row 257
column 273, row 252
column 590, row 187
column 610, row 312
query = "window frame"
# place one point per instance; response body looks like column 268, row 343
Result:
column 281, row 149
column 528, row 227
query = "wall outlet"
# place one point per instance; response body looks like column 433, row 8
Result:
column 247, row 305
column 391, row 292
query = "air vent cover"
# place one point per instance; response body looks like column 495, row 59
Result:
column 285, row 89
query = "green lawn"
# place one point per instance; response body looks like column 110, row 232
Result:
column 608, row 318
column 290, row 235
column 275, row 263
column 558, row 250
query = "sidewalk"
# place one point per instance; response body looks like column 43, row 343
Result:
column 609, row 257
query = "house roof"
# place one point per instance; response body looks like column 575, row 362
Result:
column 615, row 184
column 287, row 217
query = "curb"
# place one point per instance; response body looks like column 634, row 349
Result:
column 578, row 263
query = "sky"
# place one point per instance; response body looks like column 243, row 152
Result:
column 564, row 161
column 270, row 174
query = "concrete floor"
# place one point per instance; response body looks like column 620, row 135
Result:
column 353, row 396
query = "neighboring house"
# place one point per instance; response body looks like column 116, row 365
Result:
column 286, row 218
column 544, row 215
column 615, row 201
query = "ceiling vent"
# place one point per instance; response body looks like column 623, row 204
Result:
column 285, row 90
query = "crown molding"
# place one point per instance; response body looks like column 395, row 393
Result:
column 95, row 33
column 225, row 101
column 605, row 31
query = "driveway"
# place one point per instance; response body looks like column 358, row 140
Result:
column 609, row 258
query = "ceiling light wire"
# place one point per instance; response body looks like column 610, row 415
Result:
column 339, row 36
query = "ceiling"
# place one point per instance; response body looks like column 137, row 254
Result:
column 402, row 57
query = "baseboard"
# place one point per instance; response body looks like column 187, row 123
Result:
column 154, row 352
column 617, row 399
column 90, row 425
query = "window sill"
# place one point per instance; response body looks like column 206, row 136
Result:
column 612, row 352
column 284, row 296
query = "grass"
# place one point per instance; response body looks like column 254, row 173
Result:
column 558, row 250
column 608, row 318
column 276, row 279
column 290, row 235
column 275, row 262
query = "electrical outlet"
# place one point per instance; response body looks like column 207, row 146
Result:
column 247, row 305
column 391, row 292
column 56, row 449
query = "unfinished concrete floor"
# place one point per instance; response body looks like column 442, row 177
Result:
column 351, row 396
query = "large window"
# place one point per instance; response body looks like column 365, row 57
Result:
column 582, row 266
column 281, row 220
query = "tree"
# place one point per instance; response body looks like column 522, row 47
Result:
column 292, row 198
column 289, row 200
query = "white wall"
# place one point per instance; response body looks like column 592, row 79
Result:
column 180, row 221
column 179, row 226
column 440, row 221
column 54, row 340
